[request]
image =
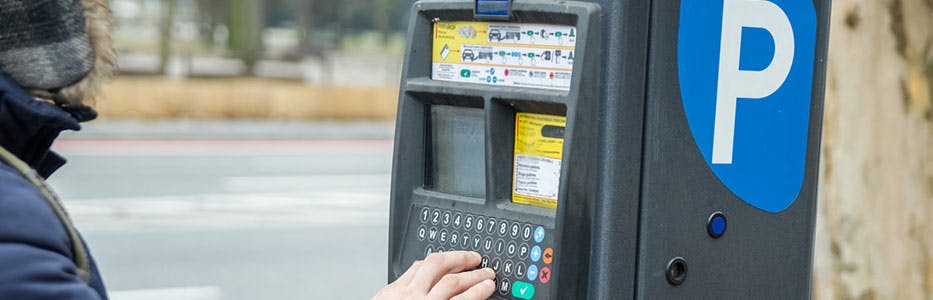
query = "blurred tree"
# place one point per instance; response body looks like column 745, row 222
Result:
column 245, row 26
column 383, row 18
column 874, row 234
column 303, row 14
column 338, row 23
column 165, row 34
column 212, row 13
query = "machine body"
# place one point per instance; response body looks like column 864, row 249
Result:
column 613, row 149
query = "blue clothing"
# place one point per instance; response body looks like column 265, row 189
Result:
column 36, row 259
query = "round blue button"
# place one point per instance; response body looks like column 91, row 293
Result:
column 539, row 234
column 716, row 225
column 532, row 273
column 535, row 253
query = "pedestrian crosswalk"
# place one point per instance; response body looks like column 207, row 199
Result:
column 279, row 203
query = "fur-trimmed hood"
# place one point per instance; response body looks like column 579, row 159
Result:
column 98, row 23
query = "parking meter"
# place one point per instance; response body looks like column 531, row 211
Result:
column 613, row 149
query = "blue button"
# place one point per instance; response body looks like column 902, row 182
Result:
column 539, row 234
column 488, row 79
column 532, row 273
column 719, row 226
column 535, row 253
column 492, row 71
column 494, row 79
column 716, row 225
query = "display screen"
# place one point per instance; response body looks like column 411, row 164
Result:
column 458, row 159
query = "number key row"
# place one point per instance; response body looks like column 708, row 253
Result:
column 480, row 224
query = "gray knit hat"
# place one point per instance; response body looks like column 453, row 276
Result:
column 49, row 46
column 43, row 43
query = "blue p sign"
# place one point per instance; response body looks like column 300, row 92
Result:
column 746, row 70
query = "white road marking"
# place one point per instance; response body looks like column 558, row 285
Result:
column 229, row 212
column 350, row 182
column 260, row 202
column 175, row 293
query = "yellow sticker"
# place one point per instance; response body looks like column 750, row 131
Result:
column 504, row 54
column 539, row 145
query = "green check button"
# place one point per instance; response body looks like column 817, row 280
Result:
column 523, row 290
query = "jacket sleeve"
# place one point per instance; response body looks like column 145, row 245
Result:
column 35, row 252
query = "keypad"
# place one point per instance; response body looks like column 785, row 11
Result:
column 518, row 252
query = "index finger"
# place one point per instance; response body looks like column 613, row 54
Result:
column 436, row 265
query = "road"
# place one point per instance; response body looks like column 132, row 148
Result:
column 176, row 216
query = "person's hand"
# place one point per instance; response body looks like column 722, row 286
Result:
column 443, row 275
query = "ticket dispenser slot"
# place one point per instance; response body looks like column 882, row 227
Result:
column 485, row 152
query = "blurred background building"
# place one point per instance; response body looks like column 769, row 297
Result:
column 245, row 149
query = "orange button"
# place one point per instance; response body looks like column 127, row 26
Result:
column 548, row 255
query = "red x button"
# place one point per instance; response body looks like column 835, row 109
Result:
column 544, row 275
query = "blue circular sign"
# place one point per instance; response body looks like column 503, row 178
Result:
column 746, row 75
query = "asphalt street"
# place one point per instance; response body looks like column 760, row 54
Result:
column 212, row 211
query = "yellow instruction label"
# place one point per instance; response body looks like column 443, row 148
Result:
column 505, row 54
column 539, row 145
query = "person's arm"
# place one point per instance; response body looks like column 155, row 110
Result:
column 29, row 272
column 35, row 261
column 446, row 275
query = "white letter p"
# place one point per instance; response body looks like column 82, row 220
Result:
column 735, row 83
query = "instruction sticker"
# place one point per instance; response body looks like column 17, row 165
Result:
column 507, row 54
column 539, row 144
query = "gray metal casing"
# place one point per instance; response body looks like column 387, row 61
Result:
column 636, row 191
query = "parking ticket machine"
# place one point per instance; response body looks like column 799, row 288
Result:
column 613, row 149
